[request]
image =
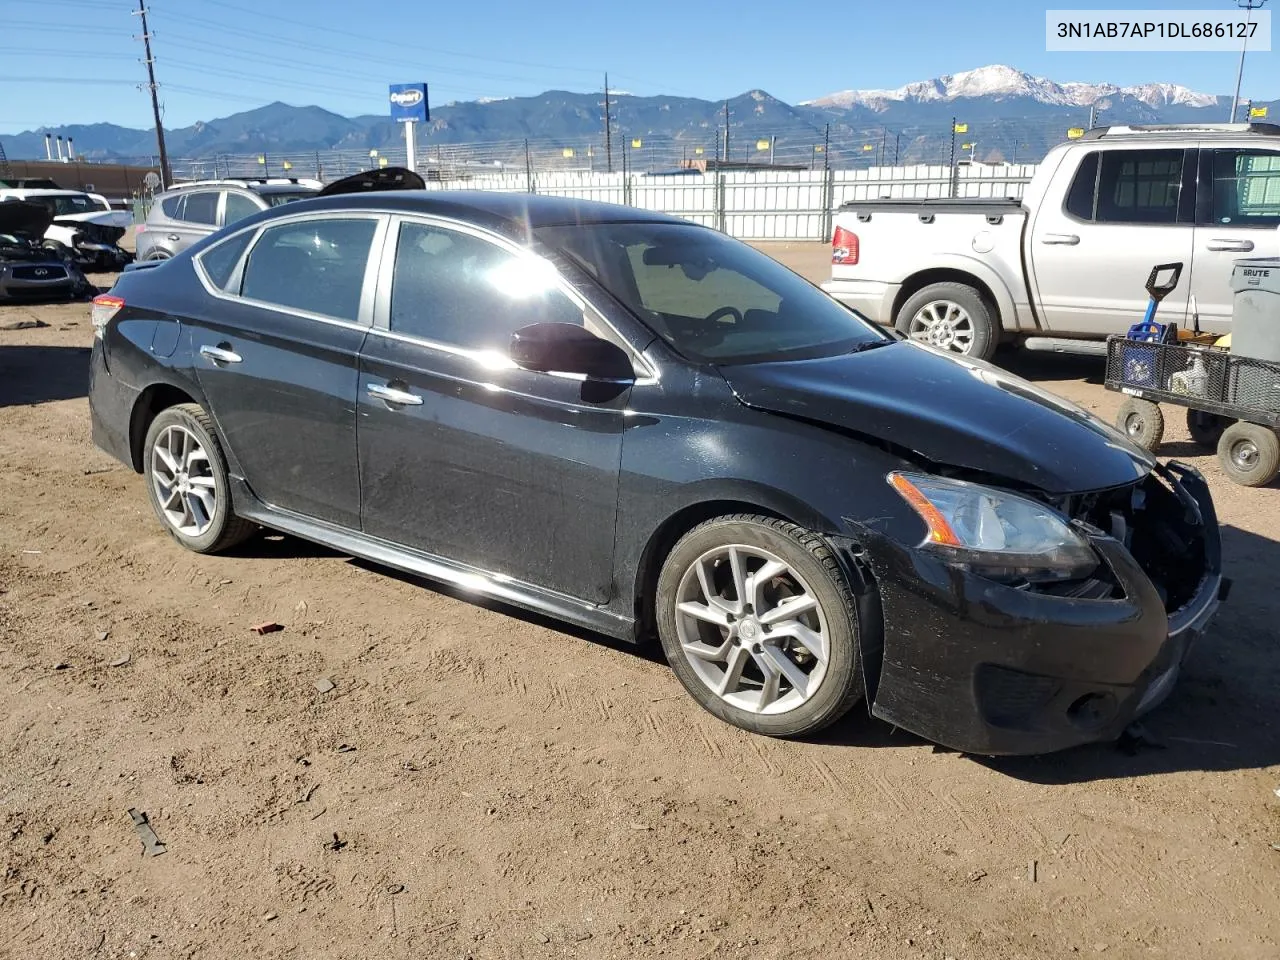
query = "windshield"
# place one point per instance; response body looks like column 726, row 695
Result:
column 276, row 198
column 715, row 300
column 65, row 205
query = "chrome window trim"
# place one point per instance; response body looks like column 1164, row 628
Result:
column 486, row 359
column 364, row 318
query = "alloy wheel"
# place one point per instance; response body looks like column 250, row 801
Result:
column 186, row 489
column 943, row 324
column 752, row 629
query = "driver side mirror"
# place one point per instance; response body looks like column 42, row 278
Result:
column 569, row 348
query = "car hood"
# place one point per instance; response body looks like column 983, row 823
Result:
column 107, row 218
column 21, row 218
column 948, row 410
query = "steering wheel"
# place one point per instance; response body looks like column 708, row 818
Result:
column 716, row 316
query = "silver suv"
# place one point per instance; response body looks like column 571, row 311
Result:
column 190, row 211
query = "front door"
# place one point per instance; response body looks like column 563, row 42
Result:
column 464, row 455
column 1098, row 232
column 1239, row 217
column 277, row 353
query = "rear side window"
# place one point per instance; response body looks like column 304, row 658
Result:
column 201, row 207
column 238, row 207
column 1246, row 188
column 1130, row 186
column 220, row 261
column 316, row 266
column 172, row 206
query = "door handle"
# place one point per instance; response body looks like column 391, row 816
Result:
column 391, row 395
column 1222, row 243
column 173, row 238
column 1069, row 239
column 220, row 354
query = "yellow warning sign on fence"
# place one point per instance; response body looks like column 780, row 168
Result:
column 636, row 143
column 1257, row 113
column 1075, row 133
column 567, row 152
column 962, row 128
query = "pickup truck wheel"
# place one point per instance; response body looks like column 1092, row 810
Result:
column 1142, row 422
column 950, row 316
column 1249, row 454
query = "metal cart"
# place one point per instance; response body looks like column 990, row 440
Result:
column 1232, row 402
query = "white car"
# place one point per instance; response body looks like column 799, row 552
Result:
column 84, row 226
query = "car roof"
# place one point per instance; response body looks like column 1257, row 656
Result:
column 513, row 212
column 42, row 192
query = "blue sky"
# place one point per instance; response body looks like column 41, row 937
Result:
column 215, row 57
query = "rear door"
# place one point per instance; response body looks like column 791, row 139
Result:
column 1238, row 216
column 276, row 353
column 465, row 456
column 1100, row 229
column 195, row 217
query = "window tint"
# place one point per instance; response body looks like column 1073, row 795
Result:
column 1139, row 186
column 1246, row 188
column 464, row 291
column 172, row 207
column 314, row 265
column 220, row 261
column 201, row 207
column 238, row 207
column 1080, row 196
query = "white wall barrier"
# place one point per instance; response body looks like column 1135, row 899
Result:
column 764, row 204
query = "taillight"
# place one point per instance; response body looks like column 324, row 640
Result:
column 105, row 307
column 844, row 247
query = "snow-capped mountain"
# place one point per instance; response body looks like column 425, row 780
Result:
column 999, row 82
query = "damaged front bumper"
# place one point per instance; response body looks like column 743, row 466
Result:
column 988, row 668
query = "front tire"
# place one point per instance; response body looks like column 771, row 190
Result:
column 1249, row 454
column 951, row 316
column 759, row 625
column 1142, row 422
column 186, row 475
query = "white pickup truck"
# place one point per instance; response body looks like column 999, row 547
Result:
column 1065, row 266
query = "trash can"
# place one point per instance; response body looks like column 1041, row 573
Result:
column 1255, row 311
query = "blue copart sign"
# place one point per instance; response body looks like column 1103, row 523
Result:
column 409, row 102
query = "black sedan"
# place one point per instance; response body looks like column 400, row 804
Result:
column 636, row 424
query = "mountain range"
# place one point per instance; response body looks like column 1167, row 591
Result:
column 1011, row 115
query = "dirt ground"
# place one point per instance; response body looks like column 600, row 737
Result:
column 480, row 783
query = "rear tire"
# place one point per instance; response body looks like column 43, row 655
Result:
column 1206, row 428
column 186, row 476
column 1249, row 454
column 1142, row 422
column 951, row 316
column 773, row 651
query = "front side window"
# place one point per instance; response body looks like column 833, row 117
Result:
column 464, row 291
column 201, row 207
column 712, row 298
column 238, row 207
column 1246, row 188
column 317, row 266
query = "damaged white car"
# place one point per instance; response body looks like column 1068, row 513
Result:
column 83, row 227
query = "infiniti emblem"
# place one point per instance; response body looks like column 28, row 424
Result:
column 42, row 272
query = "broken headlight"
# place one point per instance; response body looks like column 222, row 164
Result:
column 995, row 533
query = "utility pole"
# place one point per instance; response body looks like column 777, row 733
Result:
column 897, row 143
column 884, row 143
column 826, row 146
column 726, row 131
column 1250, row 6
column 165, row 177
column 608, row 128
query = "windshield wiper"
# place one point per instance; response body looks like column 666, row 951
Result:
column 872, row 344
